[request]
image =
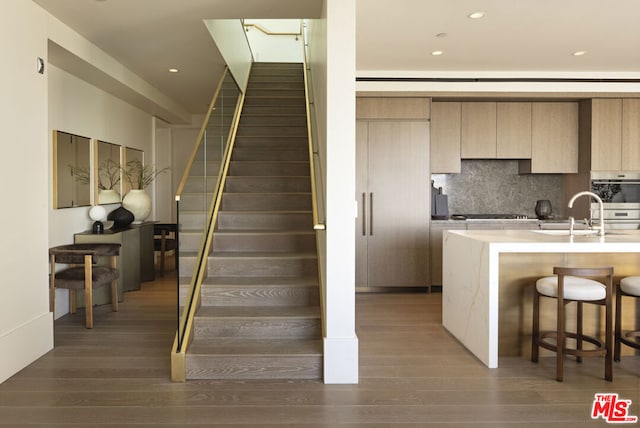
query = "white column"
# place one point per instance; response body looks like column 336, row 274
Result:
column 341, row 342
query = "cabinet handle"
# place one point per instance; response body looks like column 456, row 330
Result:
column 364, row 214
column 371, row 213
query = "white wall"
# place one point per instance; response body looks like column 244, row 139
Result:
column 25, row 321
column 229, row 36
column 332, row 60
column 80, row 108
column 271, row 47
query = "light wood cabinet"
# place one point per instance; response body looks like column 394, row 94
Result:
column 606, row 134
column 554, row 138
column 445, row 137
column 392, row 227
column 614, row 134
column 513, row 131
column 478, row 134
column 631, row 134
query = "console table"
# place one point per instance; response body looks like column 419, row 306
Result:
column 135, row 263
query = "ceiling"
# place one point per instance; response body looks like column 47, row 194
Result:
column 395, row 38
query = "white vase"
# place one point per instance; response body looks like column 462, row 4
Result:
column 139, row 203
column 108, row 196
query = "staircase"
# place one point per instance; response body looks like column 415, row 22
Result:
column 260, row 316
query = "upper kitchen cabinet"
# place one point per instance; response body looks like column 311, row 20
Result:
column 392, row 173
column 513, row 136
column 612, row 129
column 554, row 138
column 631, row 134
column 446, row 119
column 478, row 135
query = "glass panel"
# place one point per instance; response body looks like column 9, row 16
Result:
column 195, row 204
column 72, row 170
column 109, row 173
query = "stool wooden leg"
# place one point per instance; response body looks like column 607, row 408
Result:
column 618, row 328
column 88, row 296
column 608, row 368
column 535, row 331
column 114, row 288
column 579, row 331
column 560, row 343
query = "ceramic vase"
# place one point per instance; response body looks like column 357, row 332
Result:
column 139, row 203
column 108, row 196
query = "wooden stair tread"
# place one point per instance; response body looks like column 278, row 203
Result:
column 257, row 347
column 266, row 281
column 263, row 254
column 262, row 312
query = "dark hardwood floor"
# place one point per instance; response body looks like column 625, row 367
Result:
column 412, row 374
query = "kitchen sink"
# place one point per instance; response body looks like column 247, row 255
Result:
column 565, row 232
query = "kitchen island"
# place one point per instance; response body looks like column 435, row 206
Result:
column 488, row 279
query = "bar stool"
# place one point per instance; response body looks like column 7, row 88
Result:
column 629, row 286
column 576, row 286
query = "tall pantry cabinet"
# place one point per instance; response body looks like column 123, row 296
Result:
column 393, row 192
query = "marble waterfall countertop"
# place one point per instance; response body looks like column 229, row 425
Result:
column 485, row 273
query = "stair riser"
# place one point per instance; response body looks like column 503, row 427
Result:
column 193, row 220
column 257, row 328
column 269, row 168
column 296, row 73
column 298, row 110
column 264, row 221
column 200, row 184
column 296, row 93
column 265, row 77
column 240, row 367
column 190, row 241
column 266, row 202
column 270, row 266
column 275, row 102
column 283, row 242
column 268, row 184
column 258, row 154
column 270, row 119
column 259, row 296
column 210, row 168
column 276, row 131
column 257, row 85
column 264, row 142
column 195, row 201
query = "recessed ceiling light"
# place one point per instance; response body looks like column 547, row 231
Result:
column 437, row 53
column 579, row 53
column 442, row 35
column 476, row 15
column 173, row 70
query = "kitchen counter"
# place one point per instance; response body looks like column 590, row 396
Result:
column 488, row 277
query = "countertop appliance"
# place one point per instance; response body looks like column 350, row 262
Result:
column 620, row 193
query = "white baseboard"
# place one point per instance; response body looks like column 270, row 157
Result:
column 25, row 344
column 341, row 360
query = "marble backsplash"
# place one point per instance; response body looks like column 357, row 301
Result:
column 495, row 187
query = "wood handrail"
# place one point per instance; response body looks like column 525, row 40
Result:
column 269, row 33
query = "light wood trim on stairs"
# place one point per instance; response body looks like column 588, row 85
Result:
column 186, row 323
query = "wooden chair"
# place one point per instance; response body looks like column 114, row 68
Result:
column 574, row 285
column 165, row 241
column 84, row 274
column 630, row 287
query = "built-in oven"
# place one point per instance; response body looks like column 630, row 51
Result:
column 620, row 193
